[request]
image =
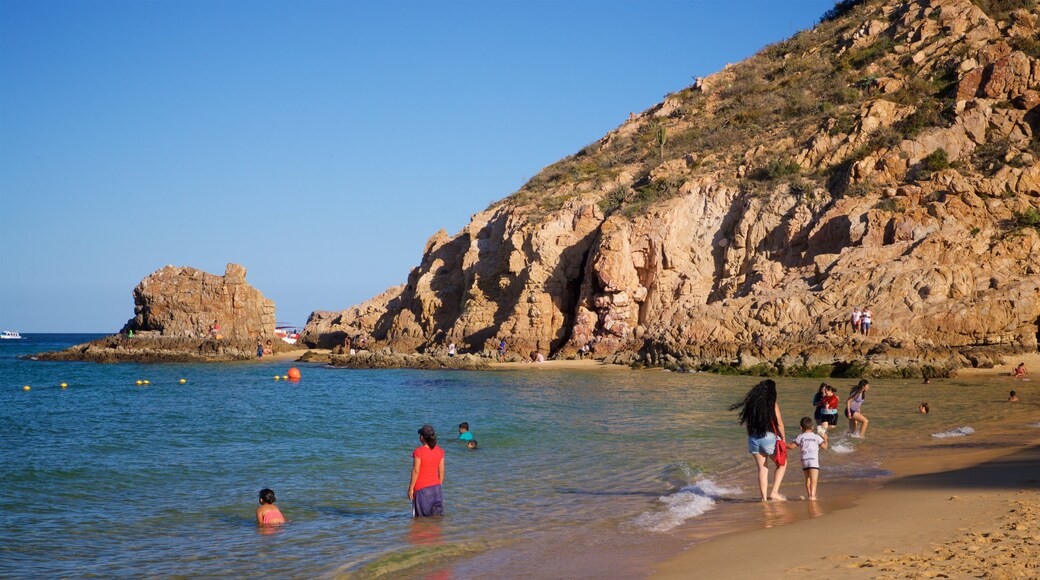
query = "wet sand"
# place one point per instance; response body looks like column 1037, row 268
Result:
column 559, row 365
column 970, row 509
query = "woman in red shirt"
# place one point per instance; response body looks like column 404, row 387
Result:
column 427, row 476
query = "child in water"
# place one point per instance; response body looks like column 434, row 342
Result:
column 1013, row 397
column 268, row 513
column 923, row 409
column 464, row 434
column 471, row 444
column 810, row 444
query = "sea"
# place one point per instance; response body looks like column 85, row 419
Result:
column 577, row 474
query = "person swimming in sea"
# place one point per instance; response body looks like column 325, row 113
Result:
column 268, row 514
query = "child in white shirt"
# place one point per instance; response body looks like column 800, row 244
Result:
column 810, row 444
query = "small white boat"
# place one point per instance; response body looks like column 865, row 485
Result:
column 287, row 332
column 10, row 335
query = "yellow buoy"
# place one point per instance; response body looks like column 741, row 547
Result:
column 139, row 383
column 276, row 377
column 26, row 388
column 147, row 383
column 285, row 377
column 183, row 381
column 64, row 385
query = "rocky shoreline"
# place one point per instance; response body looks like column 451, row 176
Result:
column 156, row 349
column 885, row 361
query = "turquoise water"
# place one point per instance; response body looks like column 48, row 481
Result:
column 579, row 473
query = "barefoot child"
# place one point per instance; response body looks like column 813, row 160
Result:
column 268, row 513
column 810, row 443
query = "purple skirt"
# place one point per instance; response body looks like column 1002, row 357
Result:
column 428, row 501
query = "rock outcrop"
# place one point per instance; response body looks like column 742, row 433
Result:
column 176, row 309
column 186, row 303
column 885, row 159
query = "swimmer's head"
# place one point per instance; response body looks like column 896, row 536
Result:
column 266, row 496
column 806, row 423
column 471, row 444
column 463, row 427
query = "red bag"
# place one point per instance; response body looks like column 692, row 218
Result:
column 780, row 453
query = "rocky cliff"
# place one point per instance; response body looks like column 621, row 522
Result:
column 186, row 303
column 887, row 158
column 176, row 309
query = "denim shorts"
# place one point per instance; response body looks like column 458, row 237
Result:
column 765, row 445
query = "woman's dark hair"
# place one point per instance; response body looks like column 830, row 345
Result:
column 428, row 435
column 758, row 408
column 266, row 495
column 859, row 389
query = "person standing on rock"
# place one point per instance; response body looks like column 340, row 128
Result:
column 259, row 349
column 760, row 414
column 451, row 350
column 857, row 317
column 502, row 350
column 866, row 320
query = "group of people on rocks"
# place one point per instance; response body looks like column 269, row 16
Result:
column 264, row 349
column 862, row 321
column 760, row 414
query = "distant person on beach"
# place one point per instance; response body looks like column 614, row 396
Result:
column 923, row 409
column 1013, row 397
column 259, row 350
column 451, row 350
column 856, row 318
column 214, row 330
column 1020, row 371
column 268, row 514
column 857, row 421
column 501, row 349
column 760, row 414
column 809, row 444
column 464, row 434
column 424, row 489
column 584, row 350
column 829, row 408
column 269, row 349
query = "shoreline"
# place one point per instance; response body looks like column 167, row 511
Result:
column 940, row 513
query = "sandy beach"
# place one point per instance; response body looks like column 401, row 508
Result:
column 967, row 509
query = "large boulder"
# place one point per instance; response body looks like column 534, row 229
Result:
column 184, row 302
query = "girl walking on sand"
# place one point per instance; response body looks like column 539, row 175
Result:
column 760, row 413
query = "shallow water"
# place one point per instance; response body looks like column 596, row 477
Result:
column 581, row 473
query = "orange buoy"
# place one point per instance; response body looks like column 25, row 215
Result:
column 294, row 374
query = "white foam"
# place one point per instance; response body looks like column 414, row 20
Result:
column 1037, row 425
column 958, row 432
column 840, row 447
column 689, row 502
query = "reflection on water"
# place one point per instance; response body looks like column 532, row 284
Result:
column 425, row 532
column 777, row 513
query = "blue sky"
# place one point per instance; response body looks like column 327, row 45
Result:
column 319, row 144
